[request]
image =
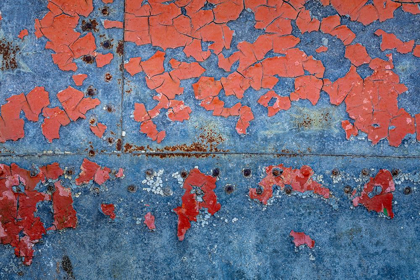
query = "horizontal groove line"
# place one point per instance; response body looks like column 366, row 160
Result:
column 213, row 153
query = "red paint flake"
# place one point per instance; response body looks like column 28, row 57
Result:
column 377, row 194
column 416, row 51
column 112, row 24
column 149, row 221
column 98, row 129
column 108, row 1
column 300, row 238
column 357, row 54
column 19, row 226
column 281, row 103
column 390, row 41
column 411, row 8
column 380, row 118
column 366, row 14
column 298, row 179
column 349, row 129
column 92, row 171
column 305, row 23
column 103, row 59
column 54, row 119
column 133, row 66
column 23, row 33
column 108, row 209
column 59, row 25
column 51, row 171
column 64, row 213
column 199, row 194
column 79, row 79
column 321, row 49
column 120, row 173
column 11, row 126
column 74, row 104
column 331, row 25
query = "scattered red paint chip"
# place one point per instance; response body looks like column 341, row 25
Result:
column 377, row 194
column 300, row 238
column 79, row 79
column 149, row 221
column 108, row 209
column 23, row 34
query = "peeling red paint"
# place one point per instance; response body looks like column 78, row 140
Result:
column 79, row 79
column 390, row 41
column 321, row 49
column 199, row 194
column 109, row 210
column 357, row 54
column 19, row 226
column 300, row 238
column 64, row 213
column 298, row 179
column 103, row 59
column 113, row 24
column 12, row 126
column 75, row 104
column 98, row 129
column 149, row 221
column 378, row 200
column 120, row 173
column 92, row 171
column 23, row 34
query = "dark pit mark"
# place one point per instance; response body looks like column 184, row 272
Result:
column 105, row 11
column 50, row 188
column 407, row 190
column 92, row 121
column 110, row 140
column 395, row 172
column 96, row 190
column 347, row 189
column 89, row 59
column 106, row 44
column 91, row 153
column 288, row 190
column 33, row 173
column 109, row 108
column 335, row 172
column 70, row 172
column 184, row 174
column 365, row 172
column 247, row 172
column 91, row 91
column 90, row 25
column 259, row 190
column 108, row 77
column 229, row 189
column 276, row 172
column 149, row 172
column 132, row 188
column 215, row 172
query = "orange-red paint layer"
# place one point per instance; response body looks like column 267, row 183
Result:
column 199, row 193
column 377, row 194
column 298, row 179
column 300, row 238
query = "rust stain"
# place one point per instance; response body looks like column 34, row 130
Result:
column 8, row 51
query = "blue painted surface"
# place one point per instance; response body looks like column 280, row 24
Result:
column 244, row 240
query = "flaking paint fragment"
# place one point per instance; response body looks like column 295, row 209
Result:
column 377, row 194
column 149, row 221
column 109, row 210
column 199, row 194
column 298, row 179
column 300, row 238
